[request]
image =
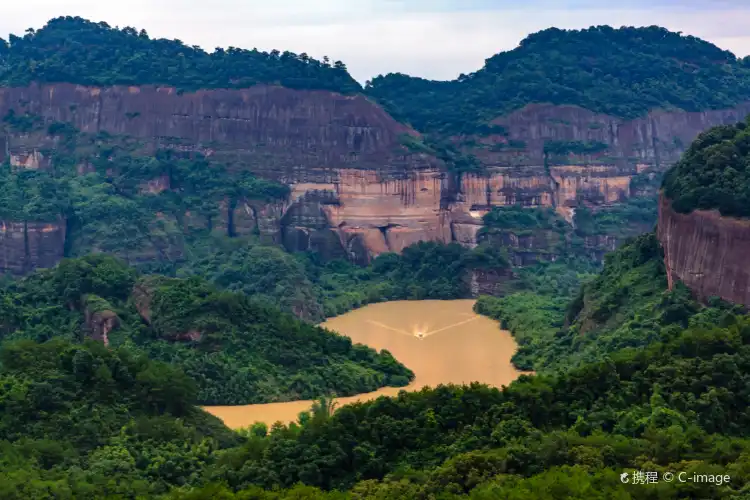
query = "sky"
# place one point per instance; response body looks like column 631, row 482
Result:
column 436, row 39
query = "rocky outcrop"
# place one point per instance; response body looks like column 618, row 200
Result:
column 489, row 281
column 372, row 212
column 595, row 247
column 707, row 252
column 27, row 245
column 526, row 247
column 364, row 212
column 142, row 295
column 100, row 319
column 530, row 186
column 597, row 184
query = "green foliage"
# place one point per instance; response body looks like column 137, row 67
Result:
column 639, row 410
column 713, row 173
column 74, row 50
column 236, row 349
column 621, row 220
column 521, row 218
column 312, row 289
column 632, row 217
column 624, row 306
column 266, row 273
column 84, row 421
column 623, row 72
column 539, row 232
column 22, row 123
column 535, row 309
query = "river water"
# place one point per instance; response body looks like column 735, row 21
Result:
column 441, row 341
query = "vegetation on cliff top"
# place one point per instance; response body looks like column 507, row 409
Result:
column 622, row 72
column 74, row 50
column 236, row 350
column 84, row 421
column 714, row 173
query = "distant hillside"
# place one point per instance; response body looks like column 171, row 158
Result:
column 74, row 50
column 622, row 72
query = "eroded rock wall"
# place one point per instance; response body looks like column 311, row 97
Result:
column 658, row 138
column 356, row 191
column 707, row 252
column 280, row 133
column 27, row 245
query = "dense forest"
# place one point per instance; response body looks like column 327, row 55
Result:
column 713, row 173
column 304, row 282
column 74, row 50
column 623, row 72
column 236, row 349
column 83, row 421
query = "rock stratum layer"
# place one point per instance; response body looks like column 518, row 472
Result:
column 356, row 191
column 707, row 252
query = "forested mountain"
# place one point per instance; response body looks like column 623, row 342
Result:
column 74, row 50
column 622, row 72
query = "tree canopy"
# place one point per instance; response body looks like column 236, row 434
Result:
column 623, row 72
column 75, row 50
column 714, row 172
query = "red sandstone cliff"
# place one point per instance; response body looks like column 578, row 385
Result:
column 285, row 134
column 707, row 252
column 356, row 191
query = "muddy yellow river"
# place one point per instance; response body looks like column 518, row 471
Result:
column 440, row 341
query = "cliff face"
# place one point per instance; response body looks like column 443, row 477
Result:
column 658, row 138
column 370, row 213
column 26, row 245
column 707, row 252
column 356, row 192
column 280, row 133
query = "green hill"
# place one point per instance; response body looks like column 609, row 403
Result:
column 237, row 350
column 623, row 72
column 74, row 50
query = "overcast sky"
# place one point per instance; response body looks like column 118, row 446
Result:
column 436, row 39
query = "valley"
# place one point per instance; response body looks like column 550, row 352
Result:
column 244, row 275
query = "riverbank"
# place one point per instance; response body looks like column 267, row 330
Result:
column 443, row 342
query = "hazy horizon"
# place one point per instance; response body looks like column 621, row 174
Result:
column 430, row 39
